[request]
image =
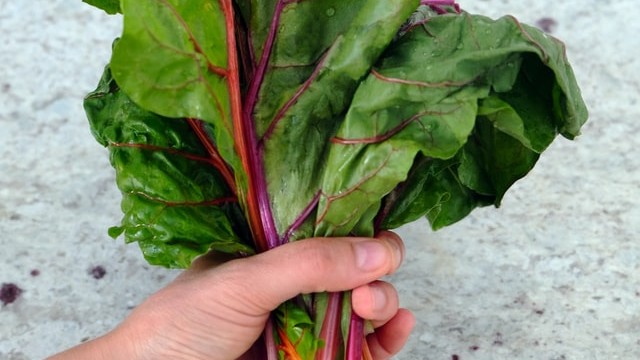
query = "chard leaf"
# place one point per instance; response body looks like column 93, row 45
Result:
column 176, row 204
column 314, row 66
column 296, row 331
column 433, row 190
column 319, row 118
column 172, row 60
column 109, row 6
column 478, row 98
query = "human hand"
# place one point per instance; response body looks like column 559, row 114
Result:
column 212, row 312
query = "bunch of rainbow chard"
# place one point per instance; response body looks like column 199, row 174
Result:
column 236, row 126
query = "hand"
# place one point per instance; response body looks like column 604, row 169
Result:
column 219, row 312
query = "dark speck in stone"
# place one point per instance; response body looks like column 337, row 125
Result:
column 98, row 272
column 547, row 24
column 9, row 293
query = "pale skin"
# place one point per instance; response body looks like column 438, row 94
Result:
column 219, row 312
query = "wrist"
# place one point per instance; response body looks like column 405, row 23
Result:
column 114, row 345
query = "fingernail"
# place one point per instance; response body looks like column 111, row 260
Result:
column 370, row 255
column 397, row 251
column 379, row 297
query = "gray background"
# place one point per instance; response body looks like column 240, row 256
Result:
column 553, row 274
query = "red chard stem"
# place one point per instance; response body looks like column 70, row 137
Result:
column 331, row 331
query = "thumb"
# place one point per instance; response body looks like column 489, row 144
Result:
column 314, row 265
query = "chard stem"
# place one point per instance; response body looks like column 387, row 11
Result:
column 243, row 130
column 301, row 219
column 355, row 340
column 270, row 344
column 254, row 155
column 437, row 5
column 216, row 158
column 331, row 330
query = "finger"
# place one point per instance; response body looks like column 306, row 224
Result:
column 389, row 339
column 210, row 260
column 377, row 302
column 203, row 263
column 397, row 243
column 314, row 265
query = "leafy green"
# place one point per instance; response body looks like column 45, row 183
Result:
column 171, row 63
column 479, row 98
column 238, row 132
column 298, row 327
column 309, row 87
column 175, row 204
column 109, row 6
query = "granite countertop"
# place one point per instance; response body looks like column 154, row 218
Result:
column 553, row 274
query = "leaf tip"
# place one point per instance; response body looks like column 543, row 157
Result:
column 115, row 231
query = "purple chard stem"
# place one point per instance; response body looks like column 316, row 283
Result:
column 255, row 155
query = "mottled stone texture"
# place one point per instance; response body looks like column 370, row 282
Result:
column 553, row 274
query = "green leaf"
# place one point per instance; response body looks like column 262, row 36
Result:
column 434, row 189
column 488, row 94
column 298, row 326
column 172, row 60
column 109, row 6
column 322, row 51
column 175, row 203
column 353, row 119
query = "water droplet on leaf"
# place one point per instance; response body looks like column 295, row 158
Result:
column 330, row 12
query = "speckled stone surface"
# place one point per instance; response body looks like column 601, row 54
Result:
column 554, row 274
